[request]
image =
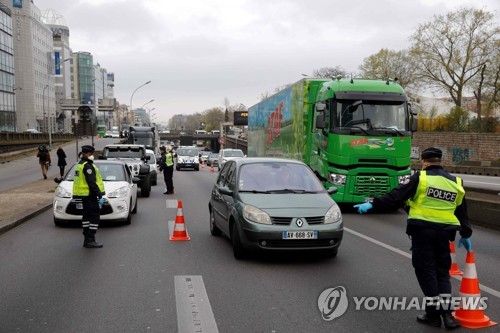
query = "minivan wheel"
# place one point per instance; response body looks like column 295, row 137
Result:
column 214, row 231
column 238, row 250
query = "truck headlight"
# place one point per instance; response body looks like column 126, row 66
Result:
column 118, row 193
column 256, row 215
column 333, row 215
column 338, row 179
column 403, row 179
column 61, row 192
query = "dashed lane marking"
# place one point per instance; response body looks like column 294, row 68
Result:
column 171, row 203
column 482, row 287
column 194, row 313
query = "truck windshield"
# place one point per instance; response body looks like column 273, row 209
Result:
column 370, row 115
column 123, row 152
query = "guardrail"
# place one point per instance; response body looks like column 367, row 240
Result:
column 10, row 141
column 481, row 168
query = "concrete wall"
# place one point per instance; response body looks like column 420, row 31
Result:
column 459, row 147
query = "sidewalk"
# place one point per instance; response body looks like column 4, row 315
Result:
column 24, row 202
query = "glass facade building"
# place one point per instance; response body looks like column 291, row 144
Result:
column 7, row 82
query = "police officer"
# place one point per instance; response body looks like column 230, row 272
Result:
column 437, row 210
column 89, row 187
column 167, row 166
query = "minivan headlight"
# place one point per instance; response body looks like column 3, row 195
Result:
column 256, row 215
column 333, row 215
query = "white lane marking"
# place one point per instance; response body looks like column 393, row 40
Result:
column 171, row 225
column 482, row 287
column 194, row 313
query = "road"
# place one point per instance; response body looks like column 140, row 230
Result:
column 142, row 282
column 481, row 182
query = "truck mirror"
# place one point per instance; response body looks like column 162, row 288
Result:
column 320, row 121
column 320, row 107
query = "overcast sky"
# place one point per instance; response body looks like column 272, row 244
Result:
column 199, row 52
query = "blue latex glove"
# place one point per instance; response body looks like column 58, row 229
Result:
column 101, row 202
column 363, row 208
column 466, row 243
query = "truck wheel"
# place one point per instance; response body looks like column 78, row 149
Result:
column 154, row 181
column 146, row 187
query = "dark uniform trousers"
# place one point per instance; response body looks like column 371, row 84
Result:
column 168, row 173
column 91, row 216
column 431, row 260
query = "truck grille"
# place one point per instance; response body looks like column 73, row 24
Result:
column 371, row 186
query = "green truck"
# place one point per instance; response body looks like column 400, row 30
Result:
column 355, row 134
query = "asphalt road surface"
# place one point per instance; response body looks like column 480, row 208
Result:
column 143, row 282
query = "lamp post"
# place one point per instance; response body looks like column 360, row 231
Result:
column 149, row 114
column 143, row 105
column 131, row 97
column 48, row 122
column 92, row 122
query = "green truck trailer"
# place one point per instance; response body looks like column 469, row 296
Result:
column 354, row 134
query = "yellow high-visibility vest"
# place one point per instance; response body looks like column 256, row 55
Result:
column 436, row 199
column 80, row 186
column 169, row 160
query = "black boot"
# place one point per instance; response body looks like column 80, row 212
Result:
column 429, row 320
column 449, row 321
column 90, row 243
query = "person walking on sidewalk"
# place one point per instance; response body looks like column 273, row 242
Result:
column 61, row 161
column 89, row 187
column 44, row 160
column 437, row 210
column 167, row 166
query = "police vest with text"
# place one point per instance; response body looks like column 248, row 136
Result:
column 80, row 186
column 436, row 199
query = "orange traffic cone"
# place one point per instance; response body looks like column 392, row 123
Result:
column 454, row 270
column 470, row 294
column 212, row 168
column 203, row 164
column 180, row 233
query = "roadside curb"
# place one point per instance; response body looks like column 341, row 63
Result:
column 32, row 213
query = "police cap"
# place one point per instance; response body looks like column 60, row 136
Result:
column 431, row 153
column 87, row 149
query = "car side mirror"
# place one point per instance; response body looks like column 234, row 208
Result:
column 225, row 190
column 332, row 190
column 136, row 180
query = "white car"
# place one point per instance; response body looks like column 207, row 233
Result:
column 120, row 198
column 153, row 173
column 229, row 154
column 187, row 157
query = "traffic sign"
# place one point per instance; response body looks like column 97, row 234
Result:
column 222, row 140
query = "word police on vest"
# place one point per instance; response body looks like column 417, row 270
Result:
column 441, row 194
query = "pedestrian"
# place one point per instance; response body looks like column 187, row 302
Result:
column 167, row 166
column 437, row 210
column 44, row 160
column 61, row 160
column 89, row 187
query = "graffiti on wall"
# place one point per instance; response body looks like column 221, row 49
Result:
column 461, row 154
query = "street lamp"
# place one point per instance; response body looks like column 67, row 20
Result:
column 92, row 118
column 134, row 93
column 149, row 114
column 43, row 109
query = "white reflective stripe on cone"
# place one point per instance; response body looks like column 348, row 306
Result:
column 470, row 271
column 179, row 227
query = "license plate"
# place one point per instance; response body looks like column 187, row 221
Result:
column 79, row 205
column 300, row 234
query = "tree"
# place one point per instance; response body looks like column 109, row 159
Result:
column 329, row 72
column 213, row 118
column 451, row 49
column 458, row 119
column 387, row 64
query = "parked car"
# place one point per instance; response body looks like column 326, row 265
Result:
column 213, row 159
column 187, row 158
column 108, row 134
column 153, row 170
column 32, row 130
column 270, row 204
column 229, row 154
column 115, row 134
column 120, row 198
